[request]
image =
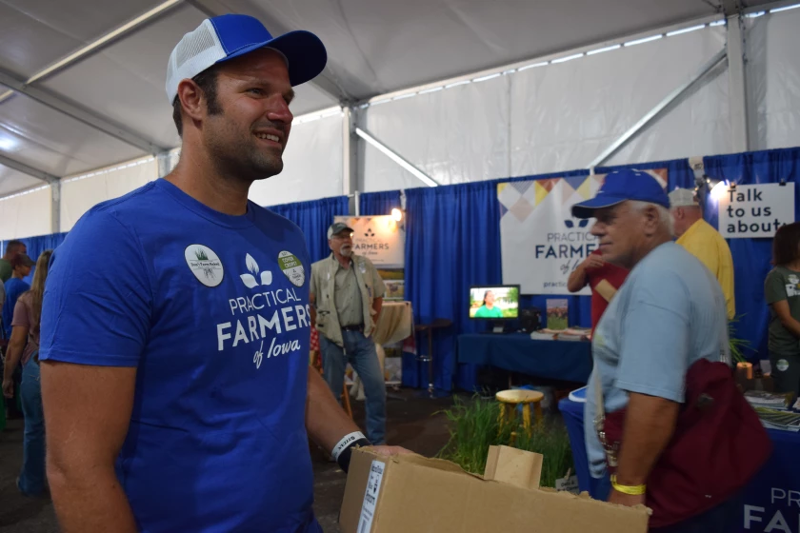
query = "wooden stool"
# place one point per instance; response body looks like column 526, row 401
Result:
column 510, row 399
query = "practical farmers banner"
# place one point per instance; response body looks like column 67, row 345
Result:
column 755, row 210
column 379, row 238
column 541, row 244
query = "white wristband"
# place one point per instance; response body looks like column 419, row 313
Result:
column 346, row 441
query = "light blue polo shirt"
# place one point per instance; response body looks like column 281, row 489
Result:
column 669, row 313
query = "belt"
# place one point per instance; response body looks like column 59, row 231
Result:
column 359, row 327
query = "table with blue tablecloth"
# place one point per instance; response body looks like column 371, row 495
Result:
column 771, row 499
column 517, row 352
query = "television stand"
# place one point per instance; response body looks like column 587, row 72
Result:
column 496, row 328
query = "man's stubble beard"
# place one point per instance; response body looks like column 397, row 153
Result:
column 236, row 155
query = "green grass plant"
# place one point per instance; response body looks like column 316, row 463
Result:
column 474, row 426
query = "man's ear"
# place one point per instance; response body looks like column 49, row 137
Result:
column 651, row 220
column 192, row 100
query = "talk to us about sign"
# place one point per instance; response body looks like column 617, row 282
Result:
column 541, row 243
column 754, row 211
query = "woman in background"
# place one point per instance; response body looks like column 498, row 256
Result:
column 488, row 310
column 782, row 290
column 25, row 327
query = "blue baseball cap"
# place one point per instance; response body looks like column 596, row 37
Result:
column 620, row 186
column 225, row 37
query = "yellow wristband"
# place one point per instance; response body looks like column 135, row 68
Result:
column 633, row 490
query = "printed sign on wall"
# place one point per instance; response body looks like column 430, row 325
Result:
column 751, row 211
column 541, row 244
column 380, row 239
column 540, row 241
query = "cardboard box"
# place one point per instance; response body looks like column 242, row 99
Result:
column 410, row 493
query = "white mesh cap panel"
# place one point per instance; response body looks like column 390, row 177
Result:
column 198, row 50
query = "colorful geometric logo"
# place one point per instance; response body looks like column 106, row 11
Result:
column 520, row 198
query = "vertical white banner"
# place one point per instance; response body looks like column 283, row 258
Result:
column 541, row 244
column 540, row 241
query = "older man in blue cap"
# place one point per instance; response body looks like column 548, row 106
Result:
column 175, row 376
column 666, row 316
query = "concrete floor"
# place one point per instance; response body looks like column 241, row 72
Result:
column 413, row 422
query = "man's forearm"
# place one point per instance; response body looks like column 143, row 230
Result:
column 649, row 425
column 577, row 279
column 91, row 501
column 326, row 421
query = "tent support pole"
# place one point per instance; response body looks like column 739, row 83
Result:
column 55, row 207
column 397, row 158
column 737, row 84
column 661, row 106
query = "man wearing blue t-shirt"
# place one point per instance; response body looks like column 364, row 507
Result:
column 174, row 372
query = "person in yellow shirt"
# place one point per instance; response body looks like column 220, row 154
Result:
column 703, row 241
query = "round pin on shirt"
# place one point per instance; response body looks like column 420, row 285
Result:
column 204, row 264
column 292, row 267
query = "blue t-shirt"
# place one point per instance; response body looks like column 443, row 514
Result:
column 212, row 309
column 15, row 287
column 669, row 313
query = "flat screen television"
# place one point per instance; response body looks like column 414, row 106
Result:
column 494, row 302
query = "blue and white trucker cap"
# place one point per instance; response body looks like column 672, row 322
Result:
column 222, row 38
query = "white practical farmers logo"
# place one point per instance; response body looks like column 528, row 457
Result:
column 204, row 264
column 249, row 280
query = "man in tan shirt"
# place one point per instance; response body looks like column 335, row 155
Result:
column 346, row 295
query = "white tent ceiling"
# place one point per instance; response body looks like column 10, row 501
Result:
column 375, row 47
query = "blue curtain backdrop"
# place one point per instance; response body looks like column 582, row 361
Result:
column 378, row 203
column 453, row 241
column 314, row 218
column 450, row 244
column 37, row 245
column 752, row 257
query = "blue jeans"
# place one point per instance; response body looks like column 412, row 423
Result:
column 360, row 352
column 32, row 477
